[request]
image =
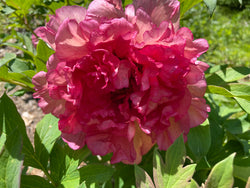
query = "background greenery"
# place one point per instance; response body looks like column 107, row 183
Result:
column 216, row 153
column 227, row 32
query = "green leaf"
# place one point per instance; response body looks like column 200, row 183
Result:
column 57, row 162
column 82, row 185
column 7, row 57
column 78, row 2
column 16, row 143
column 199, row 141
column 18, row 65
column 64, row 164
column 175, row 156
column 43, row 54
column 244, row 104
column 217, row 133
column 45, row 136
column 11, row 161
column 95, row 173
column 34, row 181
column 177, row 175
column 63, row 167
column 158, row 169
column 221, row 174
column 232, row 74
column 7, row 10
column 186, row 5
column 183, row 178
column 237, row 126
column 11, row 121
column 239, row 91
column 22, row 6
column 142, row 178
column 47, row 132
column 126, row 2
column 203, row 164
column 219, row 90
column 28, row 43
column 2, row 139
column 173, row 174
column 242, row 172
column 228, row 74
column 19, row 47
column 193, row 184
column 72, row 175
column 211, row 5
column 15, row 78
column 124, row 175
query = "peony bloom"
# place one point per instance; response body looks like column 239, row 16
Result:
column 121, row 81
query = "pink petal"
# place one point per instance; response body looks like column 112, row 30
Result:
column 160, row 10
column 39, row 80
column 52, row 62
column 115, row 28
column 57, row 76
column 101, row 9
column 193, row 49
column 46, row 34
column 143, row 23
column 198, row 89
column 75, row 141
column 71, row 43
column 166, row 138
column 197, row 113
column 66, row 12
column 121, row 79
column 130, row 13
column 157, row 34
column 142, row 144
column 48, row 105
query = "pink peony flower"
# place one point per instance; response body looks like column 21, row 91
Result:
column 121, row 81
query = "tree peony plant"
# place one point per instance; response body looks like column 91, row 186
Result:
column 121, row 81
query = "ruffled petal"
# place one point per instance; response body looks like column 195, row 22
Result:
column 74, row 12
column 48, row 104
column 193, row 49
column 48, row 33
column 75, row 141
column 160, row 10
column 71, row 42
column 105, row 9
column 120, row 82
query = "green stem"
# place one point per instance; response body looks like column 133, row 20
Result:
column 25, row 22
column 67, row 3
column 18, row 83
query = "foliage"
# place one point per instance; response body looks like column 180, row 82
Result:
column 171, row 174
column 227, row 33
column 216, row 153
